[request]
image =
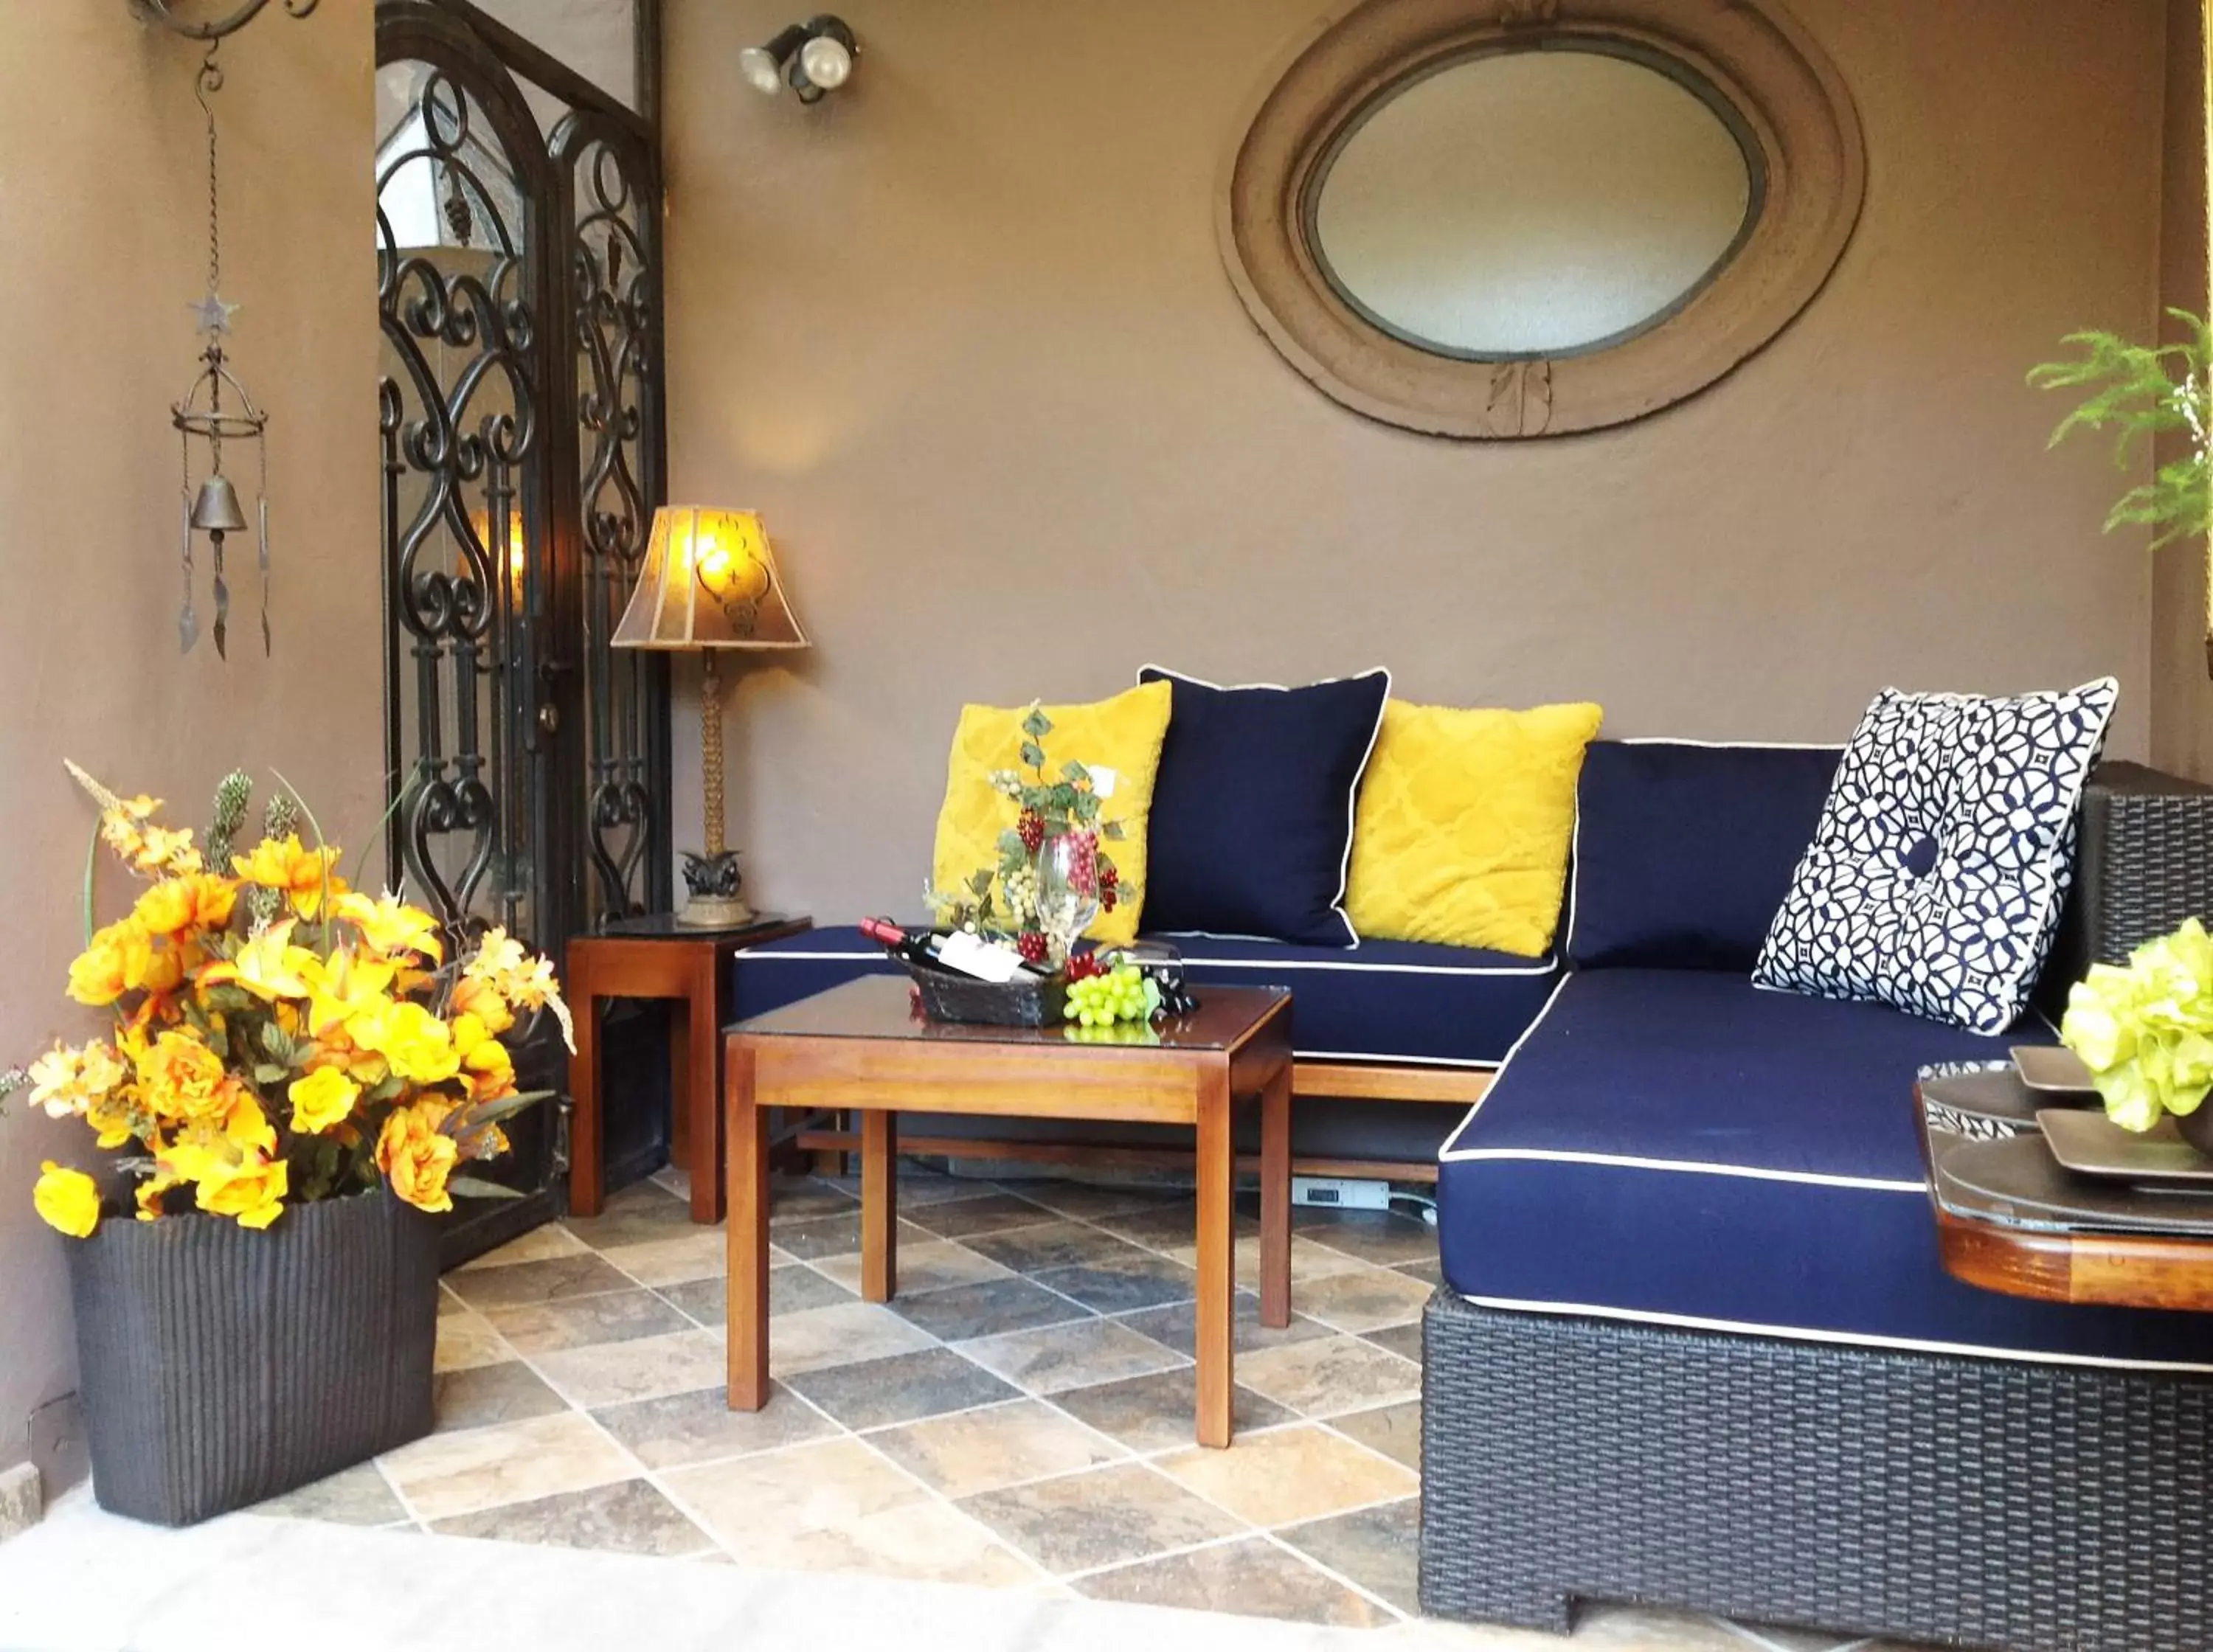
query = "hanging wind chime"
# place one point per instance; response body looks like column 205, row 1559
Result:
column 216, row 408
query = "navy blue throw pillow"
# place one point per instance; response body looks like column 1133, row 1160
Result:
column 1684, row 851
column 1252, row 819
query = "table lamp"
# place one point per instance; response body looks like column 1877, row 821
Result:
column 709, row 583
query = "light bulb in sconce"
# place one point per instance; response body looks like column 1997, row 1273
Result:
column 828, row 61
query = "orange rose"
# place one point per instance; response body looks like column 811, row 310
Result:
column 115, row 963
column 416, row 1156
column 180, row 1077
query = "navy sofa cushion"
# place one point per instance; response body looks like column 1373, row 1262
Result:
column 1383, row 1001
column 1683, row 850
column 1681, row 1146
column 1250, row 828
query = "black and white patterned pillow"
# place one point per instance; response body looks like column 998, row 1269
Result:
column 1936, row 878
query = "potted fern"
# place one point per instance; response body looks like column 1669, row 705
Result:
column 2140, row 392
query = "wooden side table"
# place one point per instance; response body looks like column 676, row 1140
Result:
column 656, row 957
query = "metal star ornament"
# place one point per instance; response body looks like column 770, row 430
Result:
column 214, row 315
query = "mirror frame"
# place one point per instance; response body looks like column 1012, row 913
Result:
column 1790, row 103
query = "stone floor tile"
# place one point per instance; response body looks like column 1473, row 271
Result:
column 359, row 1495
column 824, row 1237
column 539, row 1245
column 997, row 1445
column 643, row 1368
column 1055, row 1244
column 1290, row 1474
column 1168, row 1226
column 1394, row 1430
column 448, row 1303
column 753, row 1502
column 1308, row 1261
column 806, row 1198
column 1646, row 1629
column 477, row 1396
column 928, row 1265
column 921, row 1540
column 877, row 1392
column 533, row 1328
column 465, row 1339
column 1404, row 1340
column 550, row 1279
column 699, row 1253
column 1329, row 1375
column 1253, row 1577
column 840, row 1334
column 1364, row 1299
column 1011, row 1303
column 1178, row 1327
column 1380, row 1236
column 1119, row 1284
column 1430, row 1271
column 1379, row 1549
column 481, row 1468
column 1102, row 1517
column 628, row 1517
column 1089, row 1201
column 638, row 1213
column 1159, row 1412
column 920, row 1186
column 985, row 1213
column 792, row 1289
column 698, row 1427
column 1078, row 1355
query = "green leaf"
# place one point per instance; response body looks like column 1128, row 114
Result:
column 387, row 1088
column 490, row 1112
column 274, row 1040
column 476, row 1187
column 981, row 882
column 1032, row 754
column 266, row 1074
column 1111, row 830
column 1074, row 772
column 1036, row 725
column 1010, row 842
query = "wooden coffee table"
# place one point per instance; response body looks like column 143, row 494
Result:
column 862, row 1046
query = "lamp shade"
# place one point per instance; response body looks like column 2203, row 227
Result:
column 710, row 581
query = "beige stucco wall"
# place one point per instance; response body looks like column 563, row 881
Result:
column 2182, row 700
column 103, row 212
column 962, row 335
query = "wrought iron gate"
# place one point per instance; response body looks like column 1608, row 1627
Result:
column 519, row 413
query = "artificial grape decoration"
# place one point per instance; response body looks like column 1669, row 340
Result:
column 1109, row 886
column 1084, row 965
column 1031, row 943
column 1031, row 829
column 1124, row 993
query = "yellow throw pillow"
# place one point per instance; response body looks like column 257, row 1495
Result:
column 1465, row 820
column 1122, row 735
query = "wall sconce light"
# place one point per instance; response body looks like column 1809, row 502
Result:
column 813, row 57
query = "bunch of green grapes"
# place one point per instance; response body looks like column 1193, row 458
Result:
column 1124, row 993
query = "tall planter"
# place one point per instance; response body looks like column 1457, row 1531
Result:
column 220, row 1365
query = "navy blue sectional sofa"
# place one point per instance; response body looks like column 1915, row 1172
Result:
column 1695, row 1345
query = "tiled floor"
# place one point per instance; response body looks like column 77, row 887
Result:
column 1019, row 1418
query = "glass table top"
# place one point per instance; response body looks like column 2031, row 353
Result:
column 882, row 1006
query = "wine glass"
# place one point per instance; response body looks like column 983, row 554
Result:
column 1068, row 891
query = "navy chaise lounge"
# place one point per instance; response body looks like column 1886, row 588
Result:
column 1694, row 1346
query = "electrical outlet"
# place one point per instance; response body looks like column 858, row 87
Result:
column 1340, row 1194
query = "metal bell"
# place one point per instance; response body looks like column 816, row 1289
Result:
column 217, row 510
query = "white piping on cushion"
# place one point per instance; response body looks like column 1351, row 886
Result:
column 1843, row 1338
column 1694, row 1167
column 1499, row 1073
column 1352, row 796
column 1575, row 838
column 1541, row 967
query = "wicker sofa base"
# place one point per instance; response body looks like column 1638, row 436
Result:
column 1966, row 1502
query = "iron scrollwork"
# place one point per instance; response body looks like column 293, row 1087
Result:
column 464, row 589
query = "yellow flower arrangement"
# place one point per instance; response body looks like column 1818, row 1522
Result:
column 327, row 1047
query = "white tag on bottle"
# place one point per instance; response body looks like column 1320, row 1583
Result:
column 1103, row 780
column 972, row 955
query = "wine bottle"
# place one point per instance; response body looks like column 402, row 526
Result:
column 969, row 954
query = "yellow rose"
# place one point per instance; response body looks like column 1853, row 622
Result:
column 474, row 996
column 486, row 1066
column 416, row 1156
column 252, row 1192
column 418, row 1045
column 180, row 1077
column 320, row 1100
column 149, row 1192
column 246, row 1127
column 67, row 1199
column 115, row 963
column 115, row 1117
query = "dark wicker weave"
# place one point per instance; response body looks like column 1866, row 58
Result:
column 1977, row 1503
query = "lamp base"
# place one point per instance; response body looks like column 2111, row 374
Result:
column 714, row 912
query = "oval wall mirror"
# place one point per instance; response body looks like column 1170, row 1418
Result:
column 1528, row 217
